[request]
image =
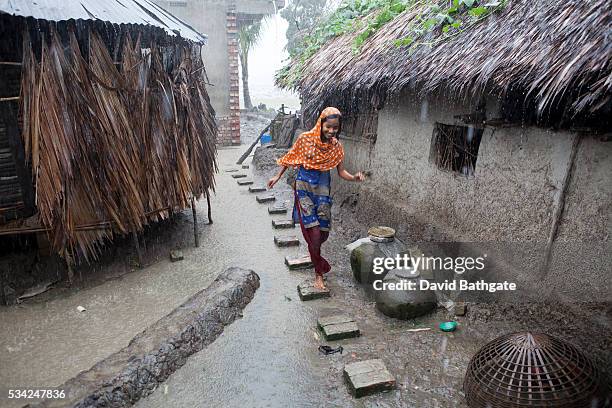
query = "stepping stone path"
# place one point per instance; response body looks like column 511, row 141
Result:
column 281, row 224
column 287, row 241
column 277, row 210
column 265, row 198
column 176, row 256
column 257, row 189
column 231, row 170
column 368, row 377
column 338, row 327
column 245, row 166
column 244, row 182
column 301, row 262
column 238, row 175
column 307, row 291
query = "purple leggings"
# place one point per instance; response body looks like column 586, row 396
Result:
column 314, row 238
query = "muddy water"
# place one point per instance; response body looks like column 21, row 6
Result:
column 269, row 357
column 42, row 344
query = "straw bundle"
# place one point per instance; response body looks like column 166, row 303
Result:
column 114, row 147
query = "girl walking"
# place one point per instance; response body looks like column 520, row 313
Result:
column 315, row 153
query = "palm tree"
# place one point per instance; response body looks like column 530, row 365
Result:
column 248, row 36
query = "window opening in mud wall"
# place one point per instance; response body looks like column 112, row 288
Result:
column 455, row 148
column 360, row 127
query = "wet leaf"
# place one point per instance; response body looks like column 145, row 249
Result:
column 479, row 11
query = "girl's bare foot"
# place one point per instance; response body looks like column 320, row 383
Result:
column 319, row 283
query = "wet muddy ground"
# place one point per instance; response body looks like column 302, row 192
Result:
column 270, row 356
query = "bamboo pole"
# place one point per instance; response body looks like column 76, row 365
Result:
column 210, row 221
column 70, row 271
column 82, row 227
column 11, row 98
column 195, row 222
column 137, row 247
column 246, row 154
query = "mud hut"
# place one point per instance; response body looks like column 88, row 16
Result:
column 493, row 131
column 105, row 121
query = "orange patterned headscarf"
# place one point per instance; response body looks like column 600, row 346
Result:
column 310, row 152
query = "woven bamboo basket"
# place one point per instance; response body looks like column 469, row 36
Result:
column 532, row 370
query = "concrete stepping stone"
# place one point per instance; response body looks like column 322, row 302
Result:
column 238, row 175
column 277, row 210
column 265, row 198
column 307, row 291
column 287, row 241
column 282, row 224
column 244, row 182
column 245, row 166
column 368, row 377
column 300, row 262
column 231, row 170
column 338, row 327
column 176, row 256
column 257, row 189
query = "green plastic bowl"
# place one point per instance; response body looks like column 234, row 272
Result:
column 448, row 326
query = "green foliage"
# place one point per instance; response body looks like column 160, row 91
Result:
column 248, row 36
column 368, row 16
column 388, row 12
column 449, row 20
column 303, row 17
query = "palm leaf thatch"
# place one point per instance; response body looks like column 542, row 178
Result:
column 113, row 147
column 557, row 54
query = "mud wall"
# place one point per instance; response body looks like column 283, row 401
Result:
column 506, row 208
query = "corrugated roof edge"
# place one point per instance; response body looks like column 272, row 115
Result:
column 138, row 12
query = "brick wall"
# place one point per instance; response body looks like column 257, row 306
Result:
column 229, row 126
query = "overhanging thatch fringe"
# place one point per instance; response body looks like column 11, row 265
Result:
column 113, row 145
column 556, row 53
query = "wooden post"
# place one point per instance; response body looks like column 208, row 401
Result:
column 210, row 221
column 2, row 294
column 70, row 271
column 246, row 154
column 195, row 222
column 137, row 246
column 560, row 205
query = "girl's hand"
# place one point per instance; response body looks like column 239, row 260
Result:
column 273, row 181
column 359, row 176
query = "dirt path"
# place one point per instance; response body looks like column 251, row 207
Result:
column 270, row 357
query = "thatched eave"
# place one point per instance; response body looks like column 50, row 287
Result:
column 556, row 54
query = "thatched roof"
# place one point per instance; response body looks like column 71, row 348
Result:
column 557, row 54
column 119, row 12
column 113, row 146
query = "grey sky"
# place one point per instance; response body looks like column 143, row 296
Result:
column 264, row 60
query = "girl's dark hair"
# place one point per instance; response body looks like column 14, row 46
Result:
column 334, row 116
